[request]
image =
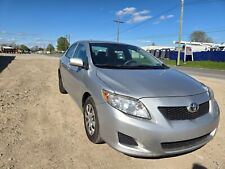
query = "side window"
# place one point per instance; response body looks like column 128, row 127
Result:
column 80, row 52
column 70, row 51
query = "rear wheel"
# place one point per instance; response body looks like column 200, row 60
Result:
column 91, row 121
column 61, row 88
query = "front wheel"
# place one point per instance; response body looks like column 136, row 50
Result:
column 91, row 121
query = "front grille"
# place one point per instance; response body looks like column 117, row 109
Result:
column 181, row 113
column 184, row 144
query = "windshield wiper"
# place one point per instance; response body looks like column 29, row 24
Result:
column 146, row 67
column 131, row 67
column 107, row 66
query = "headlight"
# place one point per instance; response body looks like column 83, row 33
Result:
column 209, row 90
column 211, row 94
column 126, row 105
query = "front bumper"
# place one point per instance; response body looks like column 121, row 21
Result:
column 152, row 135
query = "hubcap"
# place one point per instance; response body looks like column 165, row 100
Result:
column 90, row 119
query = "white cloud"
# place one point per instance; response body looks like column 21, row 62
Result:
column 23, row 38
column 126, row 11
column 37, row 39
column 164, row 17
column 26, row 34
column 144, row 41
column 156, row 22
column 134, row 15
column 3, row 32
column 170, row 16
column 12, row 39
column 144, row 12
column 138, row 18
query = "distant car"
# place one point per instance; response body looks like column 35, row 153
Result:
column 134, row 102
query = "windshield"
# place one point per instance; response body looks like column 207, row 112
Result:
column 120, row 56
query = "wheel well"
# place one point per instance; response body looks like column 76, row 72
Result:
column 85, row 96
column 59, row 72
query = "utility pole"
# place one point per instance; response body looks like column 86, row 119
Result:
column 180, row 31
column 118, row 22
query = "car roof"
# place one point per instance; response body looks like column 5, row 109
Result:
column 99, row 41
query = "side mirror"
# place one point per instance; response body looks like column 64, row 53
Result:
column 77, row 62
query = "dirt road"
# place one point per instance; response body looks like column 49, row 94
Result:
column 42, row 129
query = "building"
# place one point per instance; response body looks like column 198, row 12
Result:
column 221, row 47
column 8, row 49
column 156, row 47
column 196, row 46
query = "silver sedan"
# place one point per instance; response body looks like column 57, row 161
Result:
column 134, row 102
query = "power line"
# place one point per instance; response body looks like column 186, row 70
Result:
column 199, row 2
column 139, row 24
column 184, row 34
column 194, row 2
column 171, row 9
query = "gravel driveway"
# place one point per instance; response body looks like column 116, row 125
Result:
column 42, row 129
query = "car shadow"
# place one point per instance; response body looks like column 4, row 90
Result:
column 198, row 166
column 5, row 61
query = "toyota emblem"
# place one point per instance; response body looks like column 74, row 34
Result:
column 193, row 107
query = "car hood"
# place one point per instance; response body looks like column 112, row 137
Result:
column 150, row 83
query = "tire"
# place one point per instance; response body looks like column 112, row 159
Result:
column 91, row 122
column 61, row 88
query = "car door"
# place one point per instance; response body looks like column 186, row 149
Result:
column 78, row 74
column 65, row 67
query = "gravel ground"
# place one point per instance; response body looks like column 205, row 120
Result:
column 40, row 128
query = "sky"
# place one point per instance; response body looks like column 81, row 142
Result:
column 145, row 21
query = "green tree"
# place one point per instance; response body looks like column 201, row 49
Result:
column 24, row 48
column 62, row 44
column 50, row 48
column 200, row 36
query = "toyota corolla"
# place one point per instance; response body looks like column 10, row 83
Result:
column 134, row 102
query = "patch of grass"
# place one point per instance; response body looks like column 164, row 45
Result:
column 199, row 64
